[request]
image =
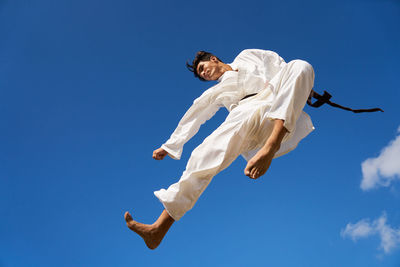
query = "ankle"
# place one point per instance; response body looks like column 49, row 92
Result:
column 271, row 147
column 156, row 226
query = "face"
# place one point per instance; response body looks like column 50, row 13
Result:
column 209, row 70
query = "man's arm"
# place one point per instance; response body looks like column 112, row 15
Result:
column 203, row 109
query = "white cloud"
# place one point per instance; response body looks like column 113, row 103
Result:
column 358, row 230
column 390, row 237
column 384, row 169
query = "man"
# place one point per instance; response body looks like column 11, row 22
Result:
column 265, row 97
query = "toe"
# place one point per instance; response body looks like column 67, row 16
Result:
column 249, row 168
column 253, row 173
column 128, row 216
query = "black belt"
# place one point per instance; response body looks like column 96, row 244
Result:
column 247, row 96
column 324, row 99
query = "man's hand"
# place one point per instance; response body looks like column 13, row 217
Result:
column 159, row 154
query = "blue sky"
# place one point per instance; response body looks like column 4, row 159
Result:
column 88, row 89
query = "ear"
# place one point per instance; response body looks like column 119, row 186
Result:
column 213, row 58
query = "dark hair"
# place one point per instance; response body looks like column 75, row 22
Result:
column 200, row 56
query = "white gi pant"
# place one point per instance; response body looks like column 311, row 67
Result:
column 244, row 131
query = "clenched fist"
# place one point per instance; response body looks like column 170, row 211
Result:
column 159, row 154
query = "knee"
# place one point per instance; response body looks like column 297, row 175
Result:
column 304, row 67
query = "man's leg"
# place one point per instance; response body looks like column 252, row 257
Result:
column 216, row 153
column 212, row 156
column 296, row 82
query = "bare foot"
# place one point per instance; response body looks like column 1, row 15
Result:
column 260, row 162
column 151, row 234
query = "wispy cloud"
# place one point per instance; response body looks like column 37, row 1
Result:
column 384, row 169
column 390, row 237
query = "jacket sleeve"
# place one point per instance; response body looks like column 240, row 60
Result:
column 203, row 109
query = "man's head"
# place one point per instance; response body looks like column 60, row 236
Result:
column 206, row 66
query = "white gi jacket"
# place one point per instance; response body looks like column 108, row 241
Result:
column 256, row 71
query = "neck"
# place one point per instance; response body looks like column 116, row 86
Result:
column 223, row 68
column 226, row 67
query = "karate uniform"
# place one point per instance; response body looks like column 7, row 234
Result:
column 282, row 91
